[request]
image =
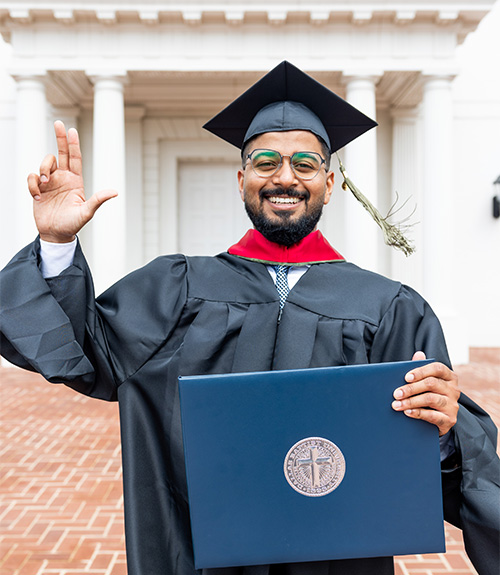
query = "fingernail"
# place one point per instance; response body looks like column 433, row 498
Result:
column 44, row 179
column 398, row 393
column 36, row 197
column 396, row 404
column 408, row 411
column 410, row 377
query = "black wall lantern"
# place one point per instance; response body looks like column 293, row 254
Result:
column 496, row 198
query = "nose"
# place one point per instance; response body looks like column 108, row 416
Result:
column 285, row 176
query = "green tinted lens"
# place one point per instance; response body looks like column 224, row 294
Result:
column 306, row 164
column 265, row 161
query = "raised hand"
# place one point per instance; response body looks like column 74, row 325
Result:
column 59, row 206
column 431, row 393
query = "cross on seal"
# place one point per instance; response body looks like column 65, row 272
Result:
column 315, row 462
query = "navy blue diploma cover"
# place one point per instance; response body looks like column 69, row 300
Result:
column 308, row 465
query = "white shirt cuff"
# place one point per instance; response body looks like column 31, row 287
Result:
column 56, row 257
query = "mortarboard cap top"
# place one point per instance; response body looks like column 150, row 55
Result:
column 288, row 99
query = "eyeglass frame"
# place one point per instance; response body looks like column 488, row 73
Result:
column 280, row 165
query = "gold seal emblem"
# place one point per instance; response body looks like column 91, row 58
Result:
column 314, row 466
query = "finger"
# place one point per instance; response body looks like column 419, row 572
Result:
column 96, row 201
column 431, row 377
column 411, row 389
column 75, row 155
column 437, row 370
column 428, row 385
column 434, row 401
column 48, row 165
column 33, row 186
column 62, row 145
column 437, row 418
column 418, row 356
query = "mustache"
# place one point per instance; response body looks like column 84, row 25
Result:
column 279, row 191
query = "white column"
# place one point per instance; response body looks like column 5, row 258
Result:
column 438, row 203
column 406, row 187
column 109, row 225
column 31, row 148
column 360, row 161
column 134, row 173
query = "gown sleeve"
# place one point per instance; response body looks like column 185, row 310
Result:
column 471, row 480
column 55, row 327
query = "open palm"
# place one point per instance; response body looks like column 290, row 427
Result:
column 60, row 207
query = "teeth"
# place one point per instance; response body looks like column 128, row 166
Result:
column 283, row 200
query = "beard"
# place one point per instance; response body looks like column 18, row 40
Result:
column 285, row 232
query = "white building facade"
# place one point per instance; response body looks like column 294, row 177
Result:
column 139, row 80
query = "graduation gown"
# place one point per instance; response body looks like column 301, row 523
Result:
column 206, row 315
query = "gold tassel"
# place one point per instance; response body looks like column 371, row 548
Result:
column 393, row 234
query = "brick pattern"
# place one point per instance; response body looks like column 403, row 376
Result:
column 485, row 355
column 61, row 495
column 61, row 506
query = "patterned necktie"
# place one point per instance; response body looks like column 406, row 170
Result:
column 282, row 284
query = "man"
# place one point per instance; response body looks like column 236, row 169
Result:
column 183, row 316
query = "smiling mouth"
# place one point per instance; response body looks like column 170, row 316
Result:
column 283, row 200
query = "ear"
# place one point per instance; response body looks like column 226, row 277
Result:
column 241, row 183
column 329, row 187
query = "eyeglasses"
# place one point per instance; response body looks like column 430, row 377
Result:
column 305, row 165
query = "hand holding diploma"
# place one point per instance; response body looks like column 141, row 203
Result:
column 431, row 394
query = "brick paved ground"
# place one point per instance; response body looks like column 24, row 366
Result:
column 60, row 489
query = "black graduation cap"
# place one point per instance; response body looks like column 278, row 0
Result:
column 288, row 99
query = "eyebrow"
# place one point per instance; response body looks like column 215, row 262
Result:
column 266, row 152
column 309, row 154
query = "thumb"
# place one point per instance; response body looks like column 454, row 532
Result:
column 418, row 355
column 96, row 201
